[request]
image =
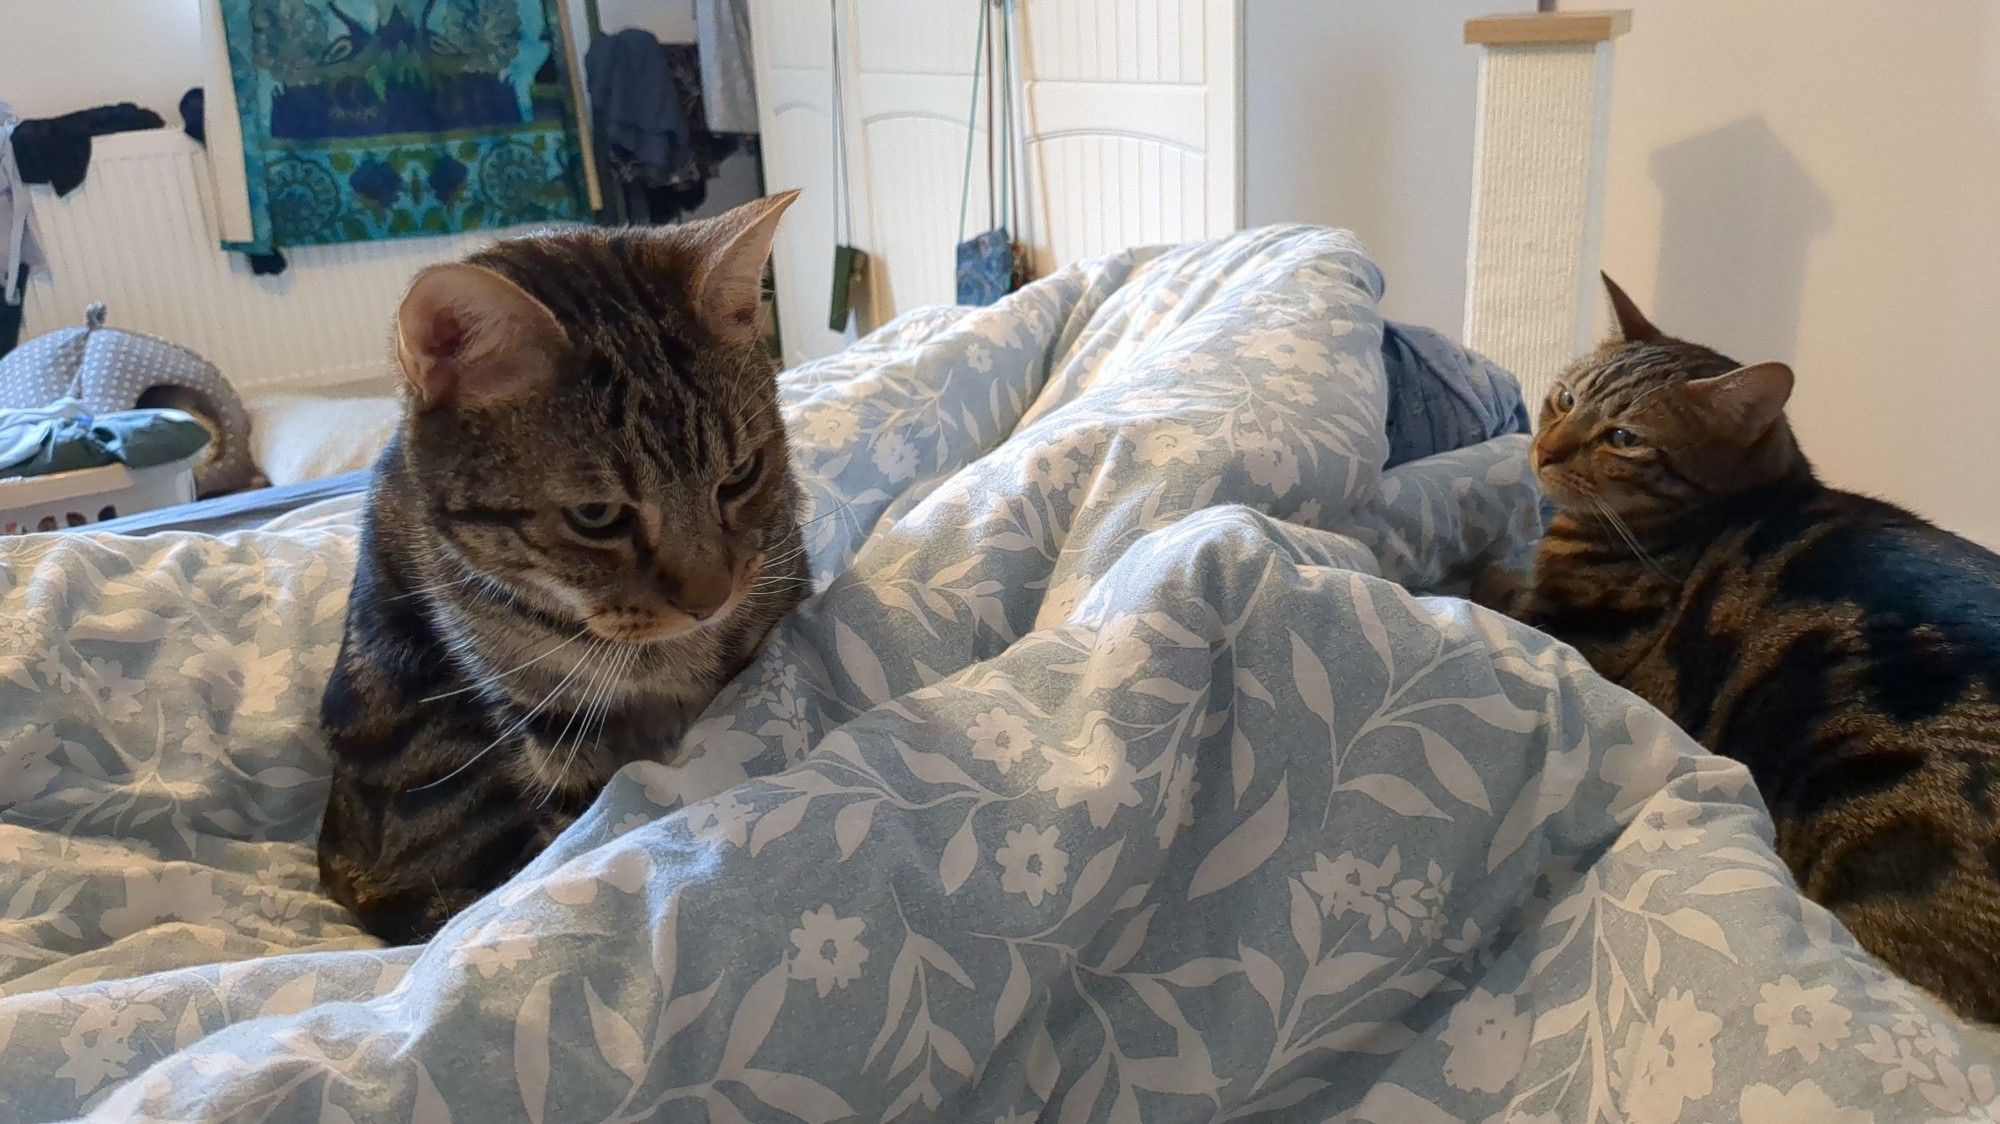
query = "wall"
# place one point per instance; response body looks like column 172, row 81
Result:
column 61, row 55
column 1805, row 180
column 1358, row 113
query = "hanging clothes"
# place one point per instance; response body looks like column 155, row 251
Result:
column 56, row 150
column 20, row 253
column 655, row 151
column 728, row 87
column 365, row 122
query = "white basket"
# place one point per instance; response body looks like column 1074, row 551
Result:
column 80, row 497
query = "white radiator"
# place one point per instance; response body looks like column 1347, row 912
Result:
column 140, row 235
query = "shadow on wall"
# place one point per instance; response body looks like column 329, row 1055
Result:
column 1739, row 217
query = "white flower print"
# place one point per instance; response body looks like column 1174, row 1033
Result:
column 501, row 946
column 999, row 737
column 723, row 819
column 978, row 358
column 1668, row 1061
column 1178, row 798
column 827, row 949
column 831, row 426
column 1487, row 1036
column 1118, row 653
column 1350, row 884
column 1800, row 1018
column 98, row 1046
column 1063, row 598
column 1167, row 442
column 1286, row 350
column 1031, row 864
column 111, row 691
column 1196, row 363
column 179, row 892
column 1099, row 776
column 1270, row 462
column 1639, row 769
column 25, row 765
column 1309, row 514
column 1801, row 1103
column 630, row 821
column 1050, row 469
column 895, row 457
column 1667, row 823
column 1293, row 390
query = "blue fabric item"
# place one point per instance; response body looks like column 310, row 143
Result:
column 62, row 437
column 389, row 120
column 1442, row 396
column 1112, row 772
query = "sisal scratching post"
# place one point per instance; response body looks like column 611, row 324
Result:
column 1538, row 188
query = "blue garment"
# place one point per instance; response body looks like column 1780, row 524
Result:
column 1442, row 396
column 63, row 436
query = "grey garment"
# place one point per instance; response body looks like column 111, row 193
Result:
column 107, row 369
column 722, row 34
column 1443, row 396
column 20, row 254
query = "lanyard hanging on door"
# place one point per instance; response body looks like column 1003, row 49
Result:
column 850, row 264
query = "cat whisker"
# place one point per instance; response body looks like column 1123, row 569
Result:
column 517, row 723
column 498, row 676
column 597, row 701
column 1625, row 532
column 844, row 505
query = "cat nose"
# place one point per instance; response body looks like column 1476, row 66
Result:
column 700, row 593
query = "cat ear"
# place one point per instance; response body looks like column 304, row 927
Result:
column 729, row 253
column 1632, row 324
column 467, row 335
column 1746, row 401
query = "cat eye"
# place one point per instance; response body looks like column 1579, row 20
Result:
column 597, row 520
column 1565, row 401
column 1623, row 438
column 741, row 478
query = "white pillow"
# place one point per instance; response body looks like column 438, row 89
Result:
column 304, row 436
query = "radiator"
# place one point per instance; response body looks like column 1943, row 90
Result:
column 140, row 235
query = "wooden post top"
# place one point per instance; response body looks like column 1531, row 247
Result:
column 1518, row 28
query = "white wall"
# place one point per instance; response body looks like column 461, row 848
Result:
column 1806, row 180
column 1358, row 113
column 62, row 55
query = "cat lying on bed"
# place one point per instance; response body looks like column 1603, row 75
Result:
column 586, row 525
column 1843, row 649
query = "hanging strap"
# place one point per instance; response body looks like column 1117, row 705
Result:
column 1007, row 139
column 972, row 121
column 843, row 192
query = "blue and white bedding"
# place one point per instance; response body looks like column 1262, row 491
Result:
column 1112, row 775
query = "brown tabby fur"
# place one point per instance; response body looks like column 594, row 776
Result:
column 1845, row 650
column 504, row 655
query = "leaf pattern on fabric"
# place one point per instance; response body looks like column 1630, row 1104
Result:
column 1112, row 774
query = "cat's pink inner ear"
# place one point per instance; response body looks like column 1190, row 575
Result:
column 1747, row 401
column 729, row 268
column 466, row 335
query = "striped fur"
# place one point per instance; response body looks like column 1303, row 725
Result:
column 502, row 658
column 1845, row 650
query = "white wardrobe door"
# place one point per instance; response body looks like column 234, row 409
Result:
column 793, row 40
column 1132, row 115
column 913, row 60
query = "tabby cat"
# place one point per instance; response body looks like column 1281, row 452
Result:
column 585, row 526
column 1845, row 650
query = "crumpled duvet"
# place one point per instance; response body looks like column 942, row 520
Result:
column 1113, row 774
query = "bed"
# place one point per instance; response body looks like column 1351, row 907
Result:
column 1114, row 772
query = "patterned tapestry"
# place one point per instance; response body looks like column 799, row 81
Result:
column 372, row 119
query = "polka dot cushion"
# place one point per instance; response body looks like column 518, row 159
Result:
column 109, row 369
